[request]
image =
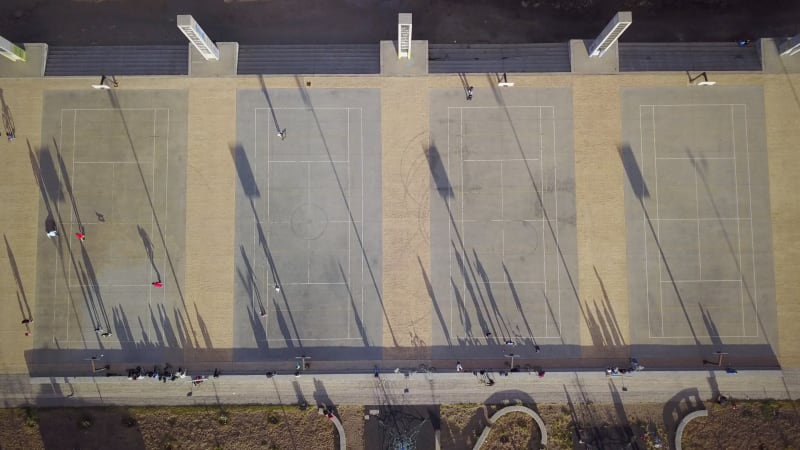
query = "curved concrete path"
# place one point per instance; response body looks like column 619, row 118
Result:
column 688, row 418
column 510, row 409
column 340, row 429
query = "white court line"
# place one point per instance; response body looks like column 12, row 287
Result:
column 644, row 224
column 701, row 158
column 350, row 306
column 152, row 224
column 450, row 286
column 701, row 281
column 497, row 336
column 697, row 214
column 701, row 219
column 298, row 339
column 98, row 223
column 750, row 196
column 277, row 161
column 738, row 224
column 362, row 256
column 543, row 241
column 114, row 109
column 253, row 280
column 703, row 336
column 693, row 104
column 463, row 231
column 113, row 164
column 738, row 219
column 55, row 205
column 462, row 220
column 501, row 160
column 308, row 211
column 495, row 107
column 73, row 178
column 315, row 108
column 266, row 340
column 286, row 222
column 108, row 162
column 558, row 241
column 166, row 204
column 658, row 227
column 502, row 218
column 268, row 220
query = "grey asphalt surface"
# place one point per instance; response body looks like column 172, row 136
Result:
column 308, row 222
column 112, row 167
column 503, row 235
column 423, row 389
column 698, row 219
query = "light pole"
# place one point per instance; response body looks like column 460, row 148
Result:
column 503, row 81
column 718, row 362
column 93, row 359
column 512, row 356
column 300, row 365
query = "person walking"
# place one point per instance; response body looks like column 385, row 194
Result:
column 459, row 367
column 469, row 93
column 27, row 323
column 80, row 236
column 158, row 284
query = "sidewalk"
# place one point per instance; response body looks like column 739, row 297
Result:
column 365, row 389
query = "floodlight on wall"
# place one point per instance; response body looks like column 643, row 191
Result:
column 197, row 37
column 611, row 33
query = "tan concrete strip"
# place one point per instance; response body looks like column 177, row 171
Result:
column 210, row 216
column 600, row 207
column 782, row 103
column 406, row 217
column 19, row 192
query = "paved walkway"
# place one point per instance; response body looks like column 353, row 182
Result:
column 555, row 387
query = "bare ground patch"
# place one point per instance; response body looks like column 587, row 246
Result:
column 764, row 424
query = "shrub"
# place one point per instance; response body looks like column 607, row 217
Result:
column 85, row 422
column 31, row 417
column 769, row 409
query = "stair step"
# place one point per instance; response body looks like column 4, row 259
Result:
column 454, row 58
column 694, row 56
column 118, row 60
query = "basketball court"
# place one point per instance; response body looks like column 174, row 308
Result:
column 308, row 236
column 112, row 167
column 698, row 220
column 502, row 220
